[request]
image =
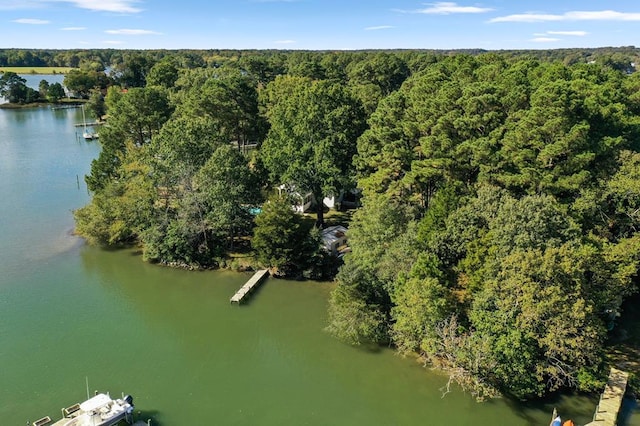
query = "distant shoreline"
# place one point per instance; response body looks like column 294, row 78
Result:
column 37, row 70
column 9, row 105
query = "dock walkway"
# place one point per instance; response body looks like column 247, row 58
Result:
column 611, row 399
column 89, row 124
column 253, row 282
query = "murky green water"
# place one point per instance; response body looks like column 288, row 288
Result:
column 69, row 313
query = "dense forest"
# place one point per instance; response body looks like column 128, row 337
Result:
column 497, row 234
column 620, row 57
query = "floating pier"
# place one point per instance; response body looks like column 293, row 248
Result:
column 253, row 282
column 611, row 399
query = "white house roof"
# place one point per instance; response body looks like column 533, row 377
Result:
column 332, row 234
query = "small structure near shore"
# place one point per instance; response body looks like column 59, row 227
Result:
column 253, row 282
column 334, row 239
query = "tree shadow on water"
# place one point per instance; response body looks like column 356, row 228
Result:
column 575, row 406
column 531, row 411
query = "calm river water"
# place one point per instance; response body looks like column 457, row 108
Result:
column 71, row 313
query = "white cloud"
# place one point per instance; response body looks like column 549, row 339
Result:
column 132, row 32
column 284, row 41
column 544, row 39
column 116, row 6
column 113, row 42
column 30, row 21
column 527, row 17
column 379, row 27
column 447, row 8
column 569, row 33
column 73, row 28
column 604, row 15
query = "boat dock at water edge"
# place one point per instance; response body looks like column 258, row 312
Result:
column 70, row 106
column 88, row 123
column 611, row 399
column 253, row 282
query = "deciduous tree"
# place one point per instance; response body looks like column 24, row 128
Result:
column 312, row 138
column 281, row 239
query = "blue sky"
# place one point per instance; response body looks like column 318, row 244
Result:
column 318, row 24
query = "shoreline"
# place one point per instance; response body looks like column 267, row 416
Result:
column 9, row 105
column 37, row 70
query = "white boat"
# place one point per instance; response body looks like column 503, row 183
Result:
column 100, row 410
column 88, row 135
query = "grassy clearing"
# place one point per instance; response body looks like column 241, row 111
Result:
column 332, row 217
column 37, row 70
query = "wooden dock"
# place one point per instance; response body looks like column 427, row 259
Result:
column 253, row 282
column 611, row 399
column 70, row 106
column 89, row 124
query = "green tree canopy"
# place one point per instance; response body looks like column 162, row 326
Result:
column 14, row 89
column 136, row 117
column 82, row 82
column 281, row 239
column 228, row 99
column 518, row 177
column 55, row 92
column 311, row 141
column 164, row 73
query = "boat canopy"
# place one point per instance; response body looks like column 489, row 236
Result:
column 96, row 402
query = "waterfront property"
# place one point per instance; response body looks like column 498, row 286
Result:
column 168, row 334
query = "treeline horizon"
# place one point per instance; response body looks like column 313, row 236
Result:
column 75, row 57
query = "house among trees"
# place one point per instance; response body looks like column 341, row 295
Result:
column 303, row 203
column 244, row 146
column 300, row 203
column 334, row 239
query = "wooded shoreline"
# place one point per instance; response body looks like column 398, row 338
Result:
column 497, row 233
column 36, row 70
column 62, row 103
